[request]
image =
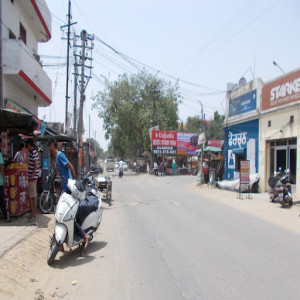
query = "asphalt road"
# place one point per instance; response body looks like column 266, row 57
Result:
column 162, row 240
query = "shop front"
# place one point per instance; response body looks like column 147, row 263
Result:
column 280, row 130
column 12, row 125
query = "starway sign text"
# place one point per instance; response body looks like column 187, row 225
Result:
column 281, row 91
column 164, row 142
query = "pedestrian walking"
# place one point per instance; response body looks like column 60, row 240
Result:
column 174, row 166
column 33, row 175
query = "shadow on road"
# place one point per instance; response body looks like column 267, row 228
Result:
column 72, row 258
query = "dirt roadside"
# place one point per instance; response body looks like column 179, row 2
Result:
column 258, row 206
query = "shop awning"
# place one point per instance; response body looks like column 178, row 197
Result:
column 209, row 148
column 239, row 151
column 17, row 122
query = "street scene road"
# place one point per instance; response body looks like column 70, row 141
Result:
column 166, row 238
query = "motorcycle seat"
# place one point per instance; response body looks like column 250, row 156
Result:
column 87, row 206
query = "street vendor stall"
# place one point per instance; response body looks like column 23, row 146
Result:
column 13, row 124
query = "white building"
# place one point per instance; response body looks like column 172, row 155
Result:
column 25, row 23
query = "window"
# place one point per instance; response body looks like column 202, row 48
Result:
column 269, row 123
column 22, row 33
column 291, row 119
column 11, row 35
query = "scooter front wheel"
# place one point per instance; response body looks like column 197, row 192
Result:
column 54, row 247
column 46, row 201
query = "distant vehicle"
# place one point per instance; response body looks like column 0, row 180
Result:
column 110, row 165
column 116, row 165
column 125, row 166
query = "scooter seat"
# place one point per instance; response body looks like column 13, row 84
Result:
column 87, row 206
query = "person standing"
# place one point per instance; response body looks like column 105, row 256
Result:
column 19, row 155
column 155, row 167
column 66, row 171
column 33, row 175
column 2, row 201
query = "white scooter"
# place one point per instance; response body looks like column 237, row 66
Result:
column 88, row 216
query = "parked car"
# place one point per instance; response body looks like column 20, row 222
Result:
column 116, row 165
column 125, row 166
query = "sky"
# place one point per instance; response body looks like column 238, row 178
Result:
column 201, row 45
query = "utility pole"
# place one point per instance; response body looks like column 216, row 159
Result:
column 85, row 48
column 202, row 145
column 68, row 60
column 75, row 93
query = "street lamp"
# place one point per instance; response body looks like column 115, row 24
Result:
column 275, row 64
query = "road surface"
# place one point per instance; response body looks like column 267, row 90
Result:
column 161, row 239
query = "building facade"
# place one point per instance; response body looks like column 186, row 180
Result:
column 241, row 127
column 26, row 86
column 280, row 129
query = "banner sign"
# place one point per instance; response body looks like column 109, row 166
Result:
column 215, row 143
column 164, row 142
column 244, row 171
column 242, row 104
column 281, row 91
column 187, row 143
column 201, row 139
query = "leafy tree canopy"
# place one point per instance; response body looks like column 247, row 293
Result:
column 131, row 105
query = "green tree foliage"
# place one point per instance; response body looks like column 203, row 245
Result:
column 131, row 105
column 215, row 130
column 193, row 124
column 94, row 145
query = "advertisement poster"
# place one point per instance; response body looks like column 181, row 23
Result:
column 241, row 143
column 244, row 171
column 187, row 143
column 242, row 104
column 164, row 142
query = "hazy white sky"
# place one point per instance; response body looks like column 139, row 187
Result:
column 208, row 43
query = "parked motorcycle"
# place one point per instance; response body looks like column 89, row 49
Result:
column 84, row 204
column 280, row 188
column 48, row 198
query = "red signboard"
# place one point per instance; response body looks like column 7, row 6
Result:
column 215, row 143
column 281, row 91
column 164, row 142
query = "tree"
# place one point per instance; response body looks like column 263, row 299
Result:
column 215, row 130
column 193, row 124
column 94, row 145
column 131, row 105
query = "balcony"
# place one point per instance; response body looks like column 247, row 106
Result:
column 24, row 70
column 40, row 16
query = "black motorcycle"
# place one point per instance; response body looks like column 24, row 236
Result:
column 49, row 198
column 120, row 173
column 280, row 189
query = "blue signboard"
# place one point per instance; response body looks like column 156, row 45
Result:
column 242, row 104
column 241, row 143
